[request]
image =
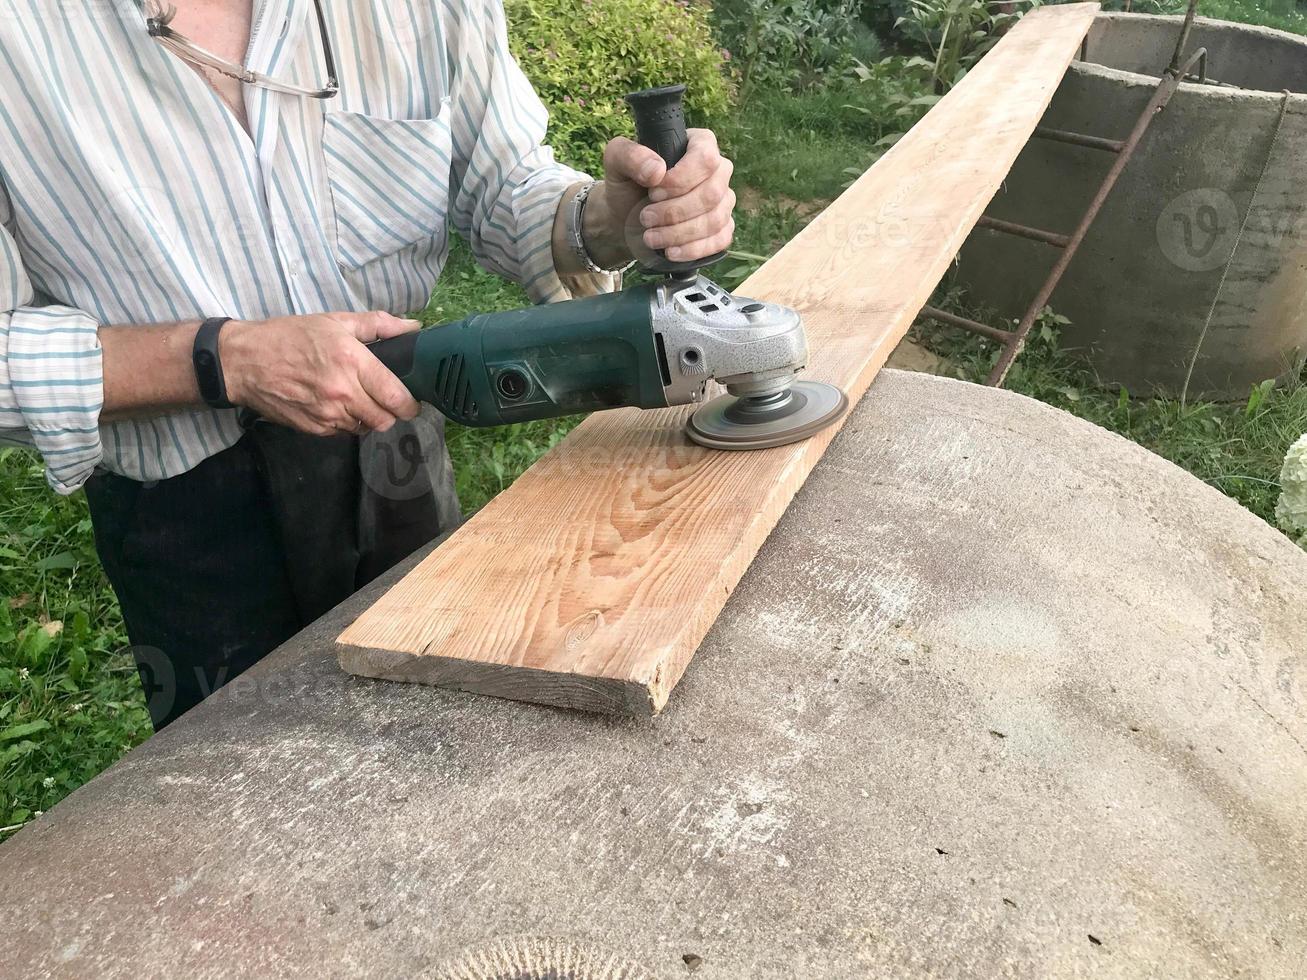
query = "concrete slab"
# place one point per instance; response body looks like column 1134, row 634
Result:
column 1003, row 695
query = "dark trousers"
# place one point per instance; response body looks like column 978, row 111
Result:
column 216, row 567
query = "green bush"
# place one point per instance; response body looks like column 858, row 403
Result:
column 583, row 58
column 882, row 15
column 793, row 44
column 955, row 34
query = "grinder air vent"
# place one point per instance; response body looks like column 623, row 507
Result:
column 454, row 388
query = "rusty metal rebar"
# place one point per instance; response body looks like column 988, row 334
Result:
column 1024, row 231
column 1079, row 139
column 1183, row 42
column 975, row 326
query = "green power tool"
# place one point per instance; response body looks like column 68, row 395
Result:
column 651, row 346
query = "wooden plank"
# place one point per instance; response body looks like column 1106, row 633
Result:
column 590, row 582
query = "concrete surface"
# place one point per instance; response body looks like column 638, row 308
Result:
column 1143, row 283
column 1003, row 695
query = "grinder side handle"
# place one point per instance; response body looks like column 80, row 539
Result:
column 660, row 125
column 660, row 121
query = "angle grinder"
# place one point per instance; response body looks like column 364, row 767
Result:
column 654, row 345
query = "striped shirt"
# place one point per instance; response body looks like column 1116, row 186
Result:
column 130, row 194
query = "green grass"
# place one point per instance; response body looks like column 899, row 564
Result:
column 805, row 146
column 70, row 702
column 818, row 129
column 1284, row 15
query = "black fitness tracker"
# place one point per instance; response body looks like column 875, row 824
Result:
column 208, row 366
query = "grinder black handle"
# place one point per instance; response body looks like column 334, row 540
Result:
column 660, row 125
column 660, row 121
column 396, row 353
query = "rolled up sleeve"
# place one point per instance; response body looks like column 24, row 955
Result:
column 507, row 184
column 51, row 380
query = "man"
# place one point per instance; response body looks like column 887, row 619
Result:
column 174, row 241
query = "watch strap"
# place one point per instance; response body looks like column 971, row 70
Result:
column 208, row 365
column 576, row 238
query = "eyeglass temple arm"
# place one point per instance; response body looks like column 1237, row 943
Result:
column 328, row 56
column 185, row 48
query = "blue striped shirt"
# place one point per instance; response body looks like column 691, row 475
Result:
column 130, row 194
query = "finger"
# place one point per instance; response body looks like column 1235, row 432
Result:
column 704, row 246
column 323, row 420
column 363, row 408
column 389, row 325
column 300, row 421
column 346, row 424
column 702, row 226
column 698, row 200
column 386, row 390
column 352, row 412
column 310, row 426
column 376, row 325
column 702, row 157
column 626, row 159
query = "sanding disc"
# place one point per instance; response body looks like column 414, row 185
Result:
column 748, row 423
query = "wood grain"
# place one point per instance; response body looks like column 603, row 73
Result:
column 590, row 582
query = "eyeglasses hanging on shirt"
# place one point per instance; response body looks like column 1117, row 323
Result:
column 158, row 17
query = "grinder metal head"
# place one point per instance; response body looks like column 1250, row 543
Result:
column 755, row 349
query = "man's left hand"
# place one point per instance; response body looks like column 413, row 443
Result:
column 642, row 205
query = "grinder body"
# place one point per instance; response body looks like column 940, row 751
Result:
column 651, row 346
column 534, row 363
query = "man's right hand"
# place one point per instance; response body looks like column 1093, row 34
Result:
column 313, row 373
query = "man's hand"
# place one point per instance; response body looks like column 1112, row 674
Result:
column 313, row 373
column 640, row 205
